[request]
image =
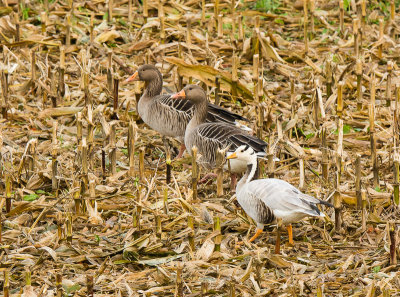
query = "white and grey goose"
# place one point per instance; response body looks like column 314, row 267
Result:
column 266, row 200
column 209, row 137
column 170, row 117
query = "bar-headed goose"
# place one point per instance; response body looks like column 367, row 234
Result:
column 170, row 117
column 267, row 200
column 209, row 137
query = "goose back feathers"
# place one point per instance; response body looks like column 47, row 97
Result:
column 167, row 116
column 209, row 137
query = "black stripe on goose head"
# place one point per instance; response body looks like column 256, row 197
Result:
column 195, row 93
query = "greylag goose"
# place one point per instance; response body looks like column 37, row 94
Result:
column 208, row 137
column 267, row 200
column 170, row 117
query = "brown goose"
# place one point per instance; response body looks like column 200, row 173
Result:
column 170, row 117
column 208, row 137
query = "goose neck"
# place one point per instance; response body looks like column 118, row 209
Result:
column 199, row 116
column 249, row 175
column 154, row 86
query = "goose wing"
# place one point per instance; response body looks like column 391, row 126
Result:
column 185, row 108
column 209, row 137
column 176, row 105
column 219, row 114
column 282, row 198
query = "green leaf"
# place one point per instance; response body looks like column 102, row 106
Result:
column 346, row 4
column 71, row 289
column 376, row 269
column 31, row 197
column 378, row 189
column 40, row 192
column 279, row 21
column 346, row 129
column 310, row 135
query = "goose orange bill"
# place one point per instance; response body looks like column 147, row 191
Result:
column 232, row 156
column 178, row 95
column 134, row 76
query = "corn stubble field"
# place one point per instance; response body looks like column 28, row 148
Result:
column 86, row 207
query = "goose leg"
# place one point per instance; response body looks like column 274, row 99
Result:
column 290, row 234
column 258, row 232
column 181, row 151
column 207, row 177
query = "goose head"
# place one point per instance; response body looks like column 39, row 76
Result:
column 145, row 73
column 244, row 153
column 194, row 93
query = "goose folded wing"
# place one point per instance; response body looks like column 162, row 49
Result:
column 219, row 114
column 282, row 196
column 183, row 106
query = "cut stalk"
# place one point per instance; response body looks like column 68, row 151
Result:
column 110, row 11
column 220, row 32
column 337, row 203
column 91, row 28
column 339, row 106
column 240, row 28
column 195, row 173
column 389, row 83
column 358, row 182
column 359, row 74
column 341, row 17
column 145, row 11
column 8, row 182
column 132, row 135
column 59, row 285
column 113, row 150
column 305, row 27
column 6, row 284
column 217, row 238
column 130, row 15
column 364, row 213
column 68, row 222
column 312, row 9
column 234, row 75
column 380, row 47
column 392, row 235
column 220, row 159
column 54, row 162
column 356, row 39
column 68, row 29
column 61, row 83
column 217, row 89
column 325, row 156
column 179, row 281
column 109, row 71
column 79, row 128
column 191, row 234
column 5, row 91
column 396, row 174
column 302, row 175
column 89, row 284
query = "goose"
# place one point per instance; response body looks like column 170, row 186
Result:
column 170, row 117
column 267, row 200
column 209, row 137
